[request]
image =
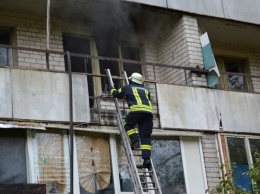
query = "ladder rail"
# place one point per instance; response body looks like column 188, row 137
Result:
column 132, row 170
column 154, row 177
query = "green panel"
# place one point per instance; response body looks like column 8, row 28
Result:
column 209, row 62
column 208, row 57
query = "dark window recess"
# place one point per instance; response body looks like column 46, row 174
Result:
column 235, row 81
column 112, row 49
column 79, row 45
column 131, row 53
column 6, row 55
column 12, row 152
column 108, row 49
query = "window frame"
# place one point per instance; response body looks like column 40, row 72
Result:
column 12, row 41
column 96, row 64
column 220, row 60
column 225, row 150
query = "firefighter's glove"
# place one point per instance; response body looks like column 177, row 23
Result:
column 110, row 88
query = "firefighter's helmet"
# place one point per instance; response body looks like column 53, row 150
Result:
column 137, row 78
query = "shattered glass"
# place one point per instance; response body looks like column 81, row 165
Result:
column 167, row 160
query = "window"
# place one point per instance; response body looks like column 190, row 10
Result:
column 51, row 160
column 241, row 152
column 233, row 82
column 94, row 165
column 6, row 55
column 79, row 45
column 113, row 49
column 167, row 160
column 12, row 152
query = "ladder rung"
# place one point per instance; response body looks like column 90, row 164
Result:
column 146, row 175
column 147, row 182
column 145, row 171
column 150, row 188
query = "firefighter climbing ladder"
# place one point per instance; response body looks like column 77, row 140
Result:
column 144, row 180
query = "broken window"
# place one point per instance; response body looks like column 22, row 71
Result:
column 94, row 166
column 234, row 82
column 79, row 45
column 12, row 152
column 167, row 160
column 241, row 153
column 6, row 54
column 112, row 49
column 51, row 160
column 239, row 162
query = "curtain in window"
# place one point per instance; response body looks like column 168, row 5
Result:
column 93, row 162
column 51, row 161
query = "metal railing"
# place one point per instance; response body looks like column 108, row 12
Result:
column 156, row 73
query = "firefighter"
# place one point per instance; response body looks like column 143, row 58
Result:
column 138, row 100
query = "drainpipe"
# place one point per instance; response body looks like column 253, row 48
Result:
column 48, row 34
column 71, row 123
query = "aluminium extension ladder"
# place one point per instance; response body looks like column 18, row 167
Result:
column 144, row 180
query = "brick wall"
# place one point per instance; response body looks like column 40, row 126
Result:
column 254, row 66
column 211, row 160
column 31, row 33
column 180, row 46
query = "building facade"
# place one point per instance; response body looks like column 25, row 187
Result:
column 197, row 127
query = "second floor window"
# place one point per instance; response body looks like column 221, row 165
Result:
column 115, row 50
column 6, row 55
column 233, row 78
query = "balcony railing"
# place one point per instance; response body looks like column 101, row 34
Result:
column 154, row 72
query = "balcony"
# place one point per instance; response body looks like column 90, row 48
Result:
column 42, row 95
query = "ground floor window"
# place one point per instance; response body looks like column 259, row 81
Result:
column 51, row 160
column 94, row 166
column 13, row 156
column 241, row 154
column 167, row 159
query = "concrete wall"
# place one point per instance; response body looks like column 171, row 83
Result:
column 239, row 10
column 38, row 95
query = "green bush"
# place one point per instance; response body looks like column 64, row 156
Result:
column 226, row 185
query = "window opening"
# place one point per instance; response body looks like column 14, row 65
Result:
column 94, row 163
column 239, row 162
column 233, row 82
column 112, row 49
column 6, row 55
column 79, row 45
column 12, row 152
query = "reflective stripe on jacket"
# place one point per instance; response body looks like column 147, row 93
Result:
column 137, row 97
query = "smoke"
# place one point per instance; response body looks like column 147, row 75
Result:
column 114, row 19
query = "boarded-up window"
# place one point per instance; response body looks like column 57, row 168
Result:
column 167, row 160
column 94, row 167
column 51, row 160
column 12, row 153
